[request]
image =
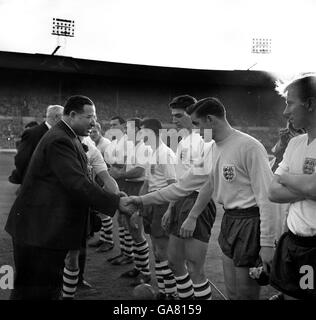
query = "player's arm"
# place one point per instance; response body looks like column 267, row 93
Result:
column 192, row 180
column 109, row 184
column 302, row 184
column 132, row 174
column 117, row 170
column 260, row 179
column 100, row 168
column 280, row 193
column 257, row 157
column 173, row 192
column 204, row 197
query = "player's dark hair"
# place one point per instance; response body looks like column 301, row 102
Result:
column 137, row 121
column 305, row 87
column 182, row 102
column 208, row 106
column 120, row 119
column 153, row 124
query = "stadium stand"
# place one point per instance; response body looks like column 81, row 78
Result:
column 30, row 83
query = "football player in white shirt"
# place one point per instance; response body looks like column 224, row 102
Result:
column 239, row 180
column 114, row 152
column 97, row 137
column 191, row 252
column 115, row 156
column 193, row 167
column 160, row 173
column 295, row 183
column 137, row 158
column 105, row 241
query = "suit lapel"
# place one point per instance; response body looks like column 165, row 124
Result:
column 78, row 146
column 83, row 157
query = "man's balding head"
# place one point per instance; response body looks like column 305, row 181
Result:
column 54, row 113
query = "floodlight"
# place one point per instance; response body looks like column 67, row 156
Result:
column 261, row 45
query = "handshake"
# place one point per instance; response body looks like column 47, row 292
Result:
column 129, row 205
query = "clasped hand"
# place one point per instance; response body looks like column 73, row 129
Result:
column 129, row 205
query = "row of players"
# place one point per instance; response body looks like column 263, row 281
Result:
column 237, row 176
column 174, row 203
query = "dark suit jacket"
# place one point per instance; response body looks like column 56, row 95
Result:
column 29, row 141
column 52, row 207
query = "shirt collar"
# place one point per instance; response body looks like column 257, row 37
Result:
column 48, row 125
column 160, row 148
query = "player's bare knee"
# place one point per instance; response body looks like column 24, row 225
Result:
column 139, row 238
column 71, row 264
column 195, row 264
column 133, row 232
column 175, row 264
column 160, row 254
column 197, row 274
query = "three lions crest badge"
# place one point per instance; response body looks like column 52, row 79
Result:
column 229, row 173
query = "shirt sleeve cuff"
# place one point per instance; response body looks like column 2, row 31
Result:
column 267, row 241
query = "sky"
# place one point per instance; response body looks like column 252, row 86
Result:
column 199, row 34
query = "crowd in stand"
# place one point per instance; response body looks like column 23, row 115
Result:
column 12, row 123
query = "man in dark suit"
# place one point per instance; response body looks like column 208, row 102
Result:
column 29, row 125
column 29, row 141
column 49, row 216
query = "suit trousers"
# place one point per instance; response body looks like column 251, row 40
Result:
column 38, row 272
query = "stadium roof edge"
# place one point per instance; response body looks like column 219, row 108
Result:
column 63, row 64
